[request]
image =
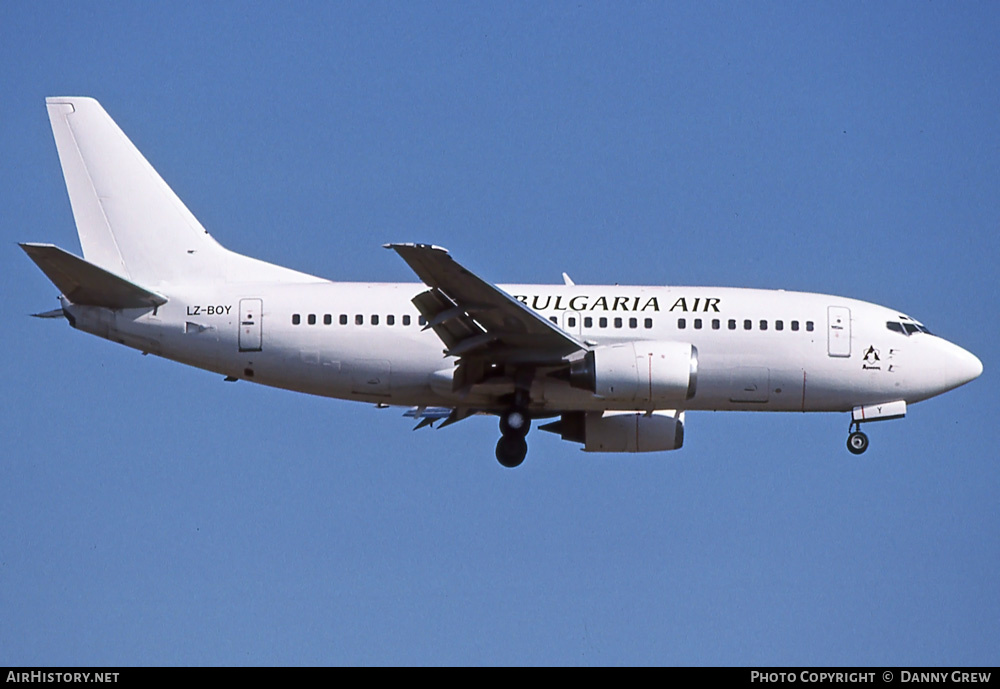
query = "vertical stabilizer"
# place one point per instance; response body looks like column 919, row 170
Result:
column 129, row 221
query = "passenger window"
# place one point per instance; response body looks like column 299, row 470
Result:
column 779, row 325
column 648, row 323
column 795, row 325
column 603, row 322
column 633, row 322
column 390, row 320
column 571, row 322
column 763, row 325
column 732, row 324
column 681, row 323
column 359, row 320
column 716, row 324
column 747, row 324
column 312, row 319
column 618, row 322
column 697, row 324
column 296, row 319
column 809, row 326
column 343, row 319
column 327, row 319
column 421, row 321
column 588, row 322
column 554, row 320
column 406, row 320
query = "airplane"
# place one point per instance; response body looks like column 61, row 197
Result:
column 614, row 368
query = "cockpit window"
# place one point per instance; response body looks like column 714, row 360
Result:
column 907, row 328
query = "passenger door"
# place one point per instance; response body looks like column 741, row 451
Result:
column 251, row 315
column 838, row 331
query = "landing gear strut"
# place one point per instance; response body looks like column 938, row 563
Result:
column 857, row 442
column 515, row 423
column 512, row 447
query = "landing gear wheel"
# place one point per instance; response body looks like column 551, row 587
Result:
column 515, row 422
column 511, row 450
column 857, row 442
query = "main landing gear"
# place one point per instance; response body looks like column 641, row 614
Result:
column 857, row 442
column 512, row 446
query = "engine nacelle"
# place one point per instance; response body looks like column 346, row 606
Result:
column 651, row 373
column 622, row 431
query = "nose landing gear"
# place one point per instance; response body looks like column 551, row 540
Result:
column 857, row 442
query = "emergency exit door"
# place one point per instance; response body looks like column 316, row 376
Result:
column 250, row 317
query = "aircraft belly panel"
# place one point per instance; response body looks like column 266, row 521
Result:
column 750, row 384
column 370, row 376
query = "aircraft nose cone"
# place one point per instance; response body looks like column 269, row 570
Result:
column 966, row 366
column 944, row 366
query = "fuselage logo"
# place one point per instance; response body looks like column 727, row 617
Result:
column 616, row 303
column 871, row 359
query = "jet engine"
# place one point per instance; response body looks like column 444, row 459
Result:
column 622, row 431
column 650, row 373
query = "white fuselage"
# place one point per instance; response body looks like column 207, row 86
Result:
column 618, row 365
column 757, row 349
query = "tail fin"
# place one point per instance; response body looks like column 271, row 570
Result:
column 129, row 221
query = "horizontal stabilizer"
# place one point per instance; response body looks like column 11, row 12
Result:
column 84, row 283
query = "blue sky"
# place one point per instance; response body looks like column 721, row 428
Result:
column 152, row 514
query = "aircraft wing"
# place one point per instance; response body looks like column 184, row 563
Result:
column 475, row 319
